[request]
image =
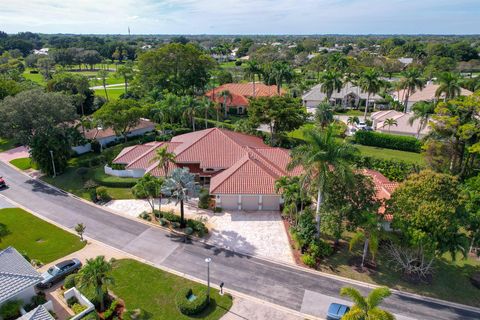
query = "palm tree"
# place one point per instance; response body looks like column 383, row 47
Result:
column 282, row 71
column 103, row 75
column 324, row 114
column 227, row 96
column 367, row 308
column 353, row 120
column 96, row 274
column 369, row 233
column 331, row 81
column 322, row 156
column 410, row 82
column 191, row 108
column 423, row 111
column 164, row 158
column 449, row 84
column 390, row 122
column 370, row 83
column 337, row 62
column 207, row 105
column 126, row 72
column 252, row 69
column 179, row 185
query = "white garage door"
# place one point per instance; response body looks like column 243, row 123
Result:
column 250, row 203
column 271, row 203
column 229, row 202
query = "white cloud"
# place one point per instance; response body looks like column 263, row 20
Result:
column 241, row 16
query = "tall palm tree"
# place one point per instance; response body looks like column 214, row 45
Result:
column 324, row 114
column 390, row 122
column 337, row 62
column 367, row 308
column 449, row 85
column 423, row 111
column 322, row 156
column 96, row 275
column 370, row 83
column 179, row 185
column 207, row 105
column 126, row 72
column 331, row 81
column 353, row 120
column 191, row 109
column 410, row 82
column 164, row 158
column 252, row 70
column 227, row 96
column 102, row 75
column 369, row 233
column 282, row 72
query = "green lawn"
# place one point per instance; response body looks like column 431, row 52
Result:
column 450, row 280
column 35, row 77
column 38, row 239
column 113, row 93
column 23, row 163
column 153, row 290
column 6, row 144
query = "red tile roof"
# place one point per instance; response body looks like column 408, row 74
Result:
column 99, row 133
column 246, row 164
column 240, row 92
column 383, row 187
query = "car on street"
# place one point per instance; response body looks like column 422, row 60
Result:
column 59, row 271
column 336, row 311
column 3, row 184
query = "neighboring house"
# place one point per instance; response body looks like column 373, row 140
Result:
column 39, row 313
column 240, row 93
column 405, row 61
column 426, row 94
column 17, row 277
column 105, row 136
column 42, row 51
column 349, row 97
column 383, row 191
column 403, row 126
column 239, row 169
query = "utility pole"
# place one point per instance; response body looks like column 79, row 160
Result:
column 53, row 164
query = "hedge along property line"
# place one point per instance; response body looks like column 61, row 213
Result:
column 392, row 169
column 389, row 141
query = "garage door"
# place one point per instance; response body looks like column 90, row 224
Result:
column 229, row 202
column 271, row 203
column 249, row 203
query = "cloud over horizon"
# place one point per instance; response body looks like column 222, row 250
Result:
column 242, row 16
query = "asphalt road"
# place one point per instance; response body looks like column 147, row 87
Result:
column 287, row 286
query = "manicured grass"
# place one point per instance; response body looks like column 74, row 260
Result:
column 113, row 93
column 6, row 144
column 38, row 239
column 352, row 113
column 23, row 163
column 389, row 154
column 35, row 77
column 450, row 280
column 153, row 290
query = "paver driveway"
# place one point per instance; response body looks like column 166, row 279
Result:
column 258, row 233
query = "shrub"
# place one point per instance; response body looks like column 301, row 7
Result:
column 305, row 229
column 203, row 199
column 91, row 316
column 10, row 310
column 92, row 193
column 102, row 194
column 137, row 314
column 70, row 281
column 82, row 172
column 111, row 311
column 197, row 226
column 390, row 141
column 392, row 169
column 170, row 216
column 178, row 131
column 114, row 182
column 36, row 300
column 78, row 308
column 145, row 216
column 163, row 221
column 188, row 307
column 188, row 231
column 95, row 145
column 320, row 249
column 175, row 225
column 72, row 301
column 217, row 209
column 309, row 261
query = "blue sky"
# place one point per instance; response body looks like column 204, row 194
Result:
column 242, row 16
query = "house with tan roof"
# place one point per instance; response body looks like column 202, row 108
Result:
column 403, row 126
column 426, row 94
column 239, row 170
column 240, row 93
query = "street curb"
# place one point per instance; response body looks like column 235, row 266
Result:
column 273, row 261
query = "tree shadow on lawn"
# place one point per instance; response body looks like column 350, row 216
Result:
column 40, row 187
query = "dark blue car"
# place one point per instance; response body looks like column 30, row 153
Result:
column 336, row 311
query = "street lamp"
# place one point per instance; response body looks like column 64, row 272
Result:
column 208, row 260
column 53, row 164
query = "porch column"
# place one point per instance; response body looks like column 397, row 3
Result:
column 260, row 202
column 239, row 202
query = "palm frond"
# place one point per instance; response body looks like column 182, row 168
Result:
column 376, row 297
column 355, row 295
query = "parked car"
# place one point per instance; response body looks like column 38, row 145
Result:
column 3, row 184
column 336, row 311
column 59, row 271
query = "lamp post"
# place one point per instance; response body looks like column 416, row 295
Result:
column 53, row 164
column 208, row 260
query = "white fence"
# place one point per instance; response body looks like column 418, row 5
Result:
column 73, row 292
column 126, row 173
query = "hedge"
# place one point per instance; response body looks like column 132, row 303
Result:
column 105, row 180
column 392, row 169
column 389, row 141
column 188, row 307
column 200, row 124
